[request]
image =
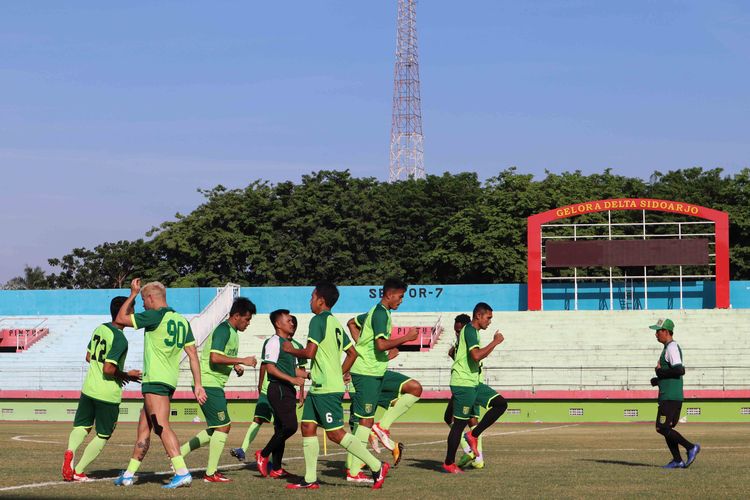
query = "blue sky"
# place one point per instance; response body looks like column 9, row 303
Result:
column 112, row 114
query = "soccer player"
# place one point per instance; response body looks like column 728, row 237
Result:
column 467, row 390
column 326, row 341
column 283, row 374
column 101, row 394
column 370, row 376
column 669, row 372
column 468, row 457
column 458, row 323
column 218, row 359
column 166, row 335
column 263, row 410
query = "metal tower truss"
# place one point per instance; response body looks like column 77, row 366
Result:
column 407, row 140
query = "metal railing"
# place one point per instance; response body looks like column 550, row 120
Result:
column 525, row 378
column 214, row 313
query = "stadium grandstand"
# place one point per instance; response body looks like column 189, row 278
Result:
column 571, row 335
column 550, row 357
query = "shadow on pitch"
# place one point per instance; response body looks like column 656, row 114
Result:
column 142, row 478
column 618, row 462
column 426, row 464
column 331, row 468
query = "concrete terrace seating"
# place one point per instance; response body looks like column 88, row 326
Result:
column 58, row 361
column 583, row 350
column 562, row 350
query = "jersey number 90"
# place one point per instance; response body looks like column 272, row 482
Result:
column 176, row 334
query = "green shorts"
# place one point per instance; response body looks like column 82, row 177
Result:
column 326, row 410
column 263, row 408
column 158, row 389
column 92, row 410
column 390, row 391
column 366, row 394
column 468, row 400
column 215, row 408
column 391, row 388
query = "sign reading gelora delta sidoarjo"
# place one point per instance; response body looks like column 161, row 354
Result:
column 534, row 237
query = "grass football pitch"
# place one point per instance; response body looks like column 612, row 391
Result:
column 522, row 461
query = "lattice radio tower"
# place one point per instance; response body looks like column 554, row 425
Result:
column 407, row 141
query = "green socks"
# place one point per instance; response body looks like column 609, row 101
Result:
column 179, row 465
column 90, row 453
column 356, row 448
column 355, row 464
column 77, row 435
column 200, row 439
column 311, row 449
column 133, row 466
column 250, row 435
column 393, row 413
column 218, row 440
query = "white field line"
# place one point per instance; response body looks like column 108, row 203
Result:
column 241, row 465
column 244, row 465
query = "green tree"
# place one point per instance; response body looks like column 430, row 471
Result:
column 34, row 278
column 109, row 265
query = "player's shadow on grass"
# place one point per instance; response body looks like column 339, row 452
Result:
column 144, row 477
column 332, row 468
column 433, row 465
column 618, row 462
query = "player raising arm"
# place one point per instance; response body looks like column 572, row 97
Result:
column 167, row 333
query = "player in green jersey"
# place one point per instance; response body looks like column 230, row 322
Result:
column 467, row 389
column 263, row 410
column 370, row 376
column 218, row 358
column 669, row 372
column 468, row 457
column 326, row 341
column 166, row 335
column 101, row 393
column 283, row 372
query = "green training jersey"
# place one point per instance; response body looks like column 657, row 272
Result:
column 670, row 389
column 107, row 345
column 223, row 340
column 167, row 333
column 328, row 334
column 374, row 325
column 466, row 372
column 300, row 362
column 481, row 363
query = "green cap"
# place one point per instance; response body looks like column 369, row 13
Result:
column 663, row 324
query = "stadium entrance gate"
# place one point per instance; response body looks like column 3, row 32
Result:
column 593, row 241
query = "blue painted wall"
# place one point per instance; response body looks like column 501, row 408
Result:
column 420, row 298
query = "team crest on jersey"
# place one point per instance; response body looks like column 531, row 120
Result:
column 221, row 415
column 368, row 408
column 465, row 410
